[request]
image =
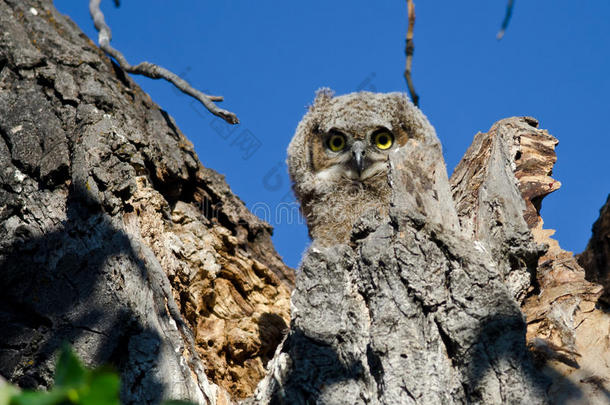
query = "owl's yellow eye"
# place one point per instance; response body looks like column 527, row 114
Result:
column 383, row 140
column 336, row 142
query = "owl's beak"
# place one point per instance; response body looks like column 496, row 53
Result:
column 358, row 155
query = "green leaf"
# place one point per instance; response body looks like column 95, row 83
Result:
column 103, row 389
column 40, row 398
column 69, row 372
column 74, row 385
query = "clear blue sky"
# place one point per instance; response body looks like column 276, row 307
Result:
column 267, row 58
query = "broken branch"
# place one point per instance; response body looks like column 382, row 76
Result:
column 151, row 70
column 410, row 47
column 509, row 13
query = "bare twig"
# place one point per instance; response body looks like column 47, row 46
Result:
column 409, row 52
column 151, row 70
column 509, row 13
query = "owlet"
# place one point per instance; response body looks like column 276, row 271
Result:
column 339, row 157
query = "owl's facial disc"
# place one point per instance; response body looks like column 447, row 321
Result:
column 355, row 157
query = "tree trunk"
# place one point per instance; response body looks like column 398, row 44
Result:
column 114, row 237
column 415, row 312
column 566, row 332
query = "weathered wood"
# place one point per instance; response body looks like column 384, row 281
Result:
column 566, row 332
column 114, row 237
column 416, row 310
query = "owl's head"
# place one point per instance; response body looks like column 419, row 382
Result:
column 348, row 139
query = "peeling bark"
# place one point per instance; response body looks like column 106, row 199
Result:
column 566, row 332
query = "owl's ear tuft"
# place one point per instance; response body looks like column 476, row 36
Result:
column 323, row 96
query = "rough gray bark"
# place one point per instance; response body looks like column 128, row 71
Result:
column 415, row 310
column 419, row 310
column 565, row 328
column 490, row 204
column 97, row 188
